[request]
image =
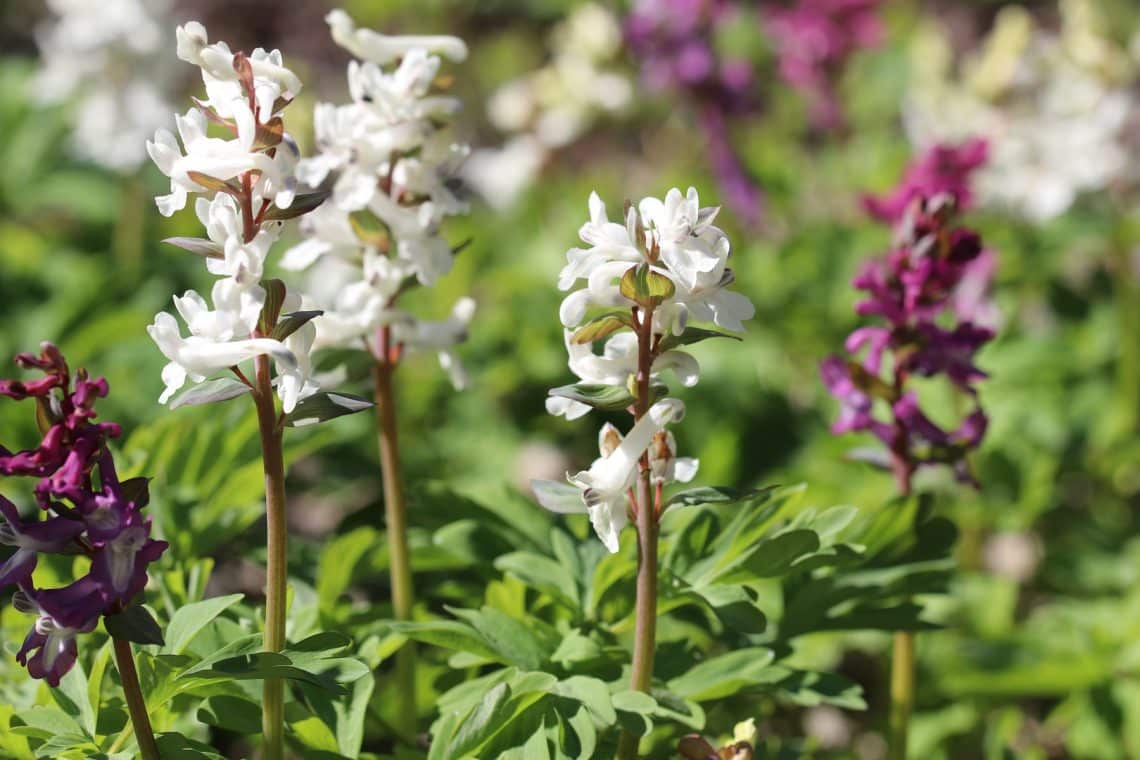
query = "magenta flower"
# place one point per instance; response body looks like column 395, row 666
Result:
column 88, row 511
column 814, row 39
column 675, row 43
column 941, row 169
column 925, row 329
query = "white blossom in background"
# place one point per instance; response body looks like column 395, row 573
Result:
column 391, row 164
column 683, row 256
column 108, row 58
column 552, row 107
column 254, row 164
column 1053, row 107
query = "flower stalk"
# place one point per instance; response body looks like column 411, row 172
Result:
column 276, row 546
column 396, row 517
column 136, row 703
column 646, row 516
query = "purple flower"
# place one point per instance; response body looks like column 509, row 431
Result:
column 49, row 650
column 941, row 169
column 675, row 42
column 56, row 535
column 814, row 39
column 89, row 511
column 915, row 292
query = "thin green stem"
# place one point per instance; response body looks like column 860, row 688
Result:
column 136, row 703
column 902, row 693
column 396, row 516
column 645, row 626
column 273, row 702
column 1126, row 293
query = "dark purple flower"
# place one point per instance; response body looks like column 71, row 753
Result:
column 56, row 535
column 941, row 169
column 675, row 42
column 49, row 650
column 926, row 330
column 90, row 512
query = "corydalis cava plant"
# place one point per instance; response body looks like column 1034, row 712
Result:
column 929, row 294
column 245, row 186
column 647, row 281
column 87, row 511
column 391, row 164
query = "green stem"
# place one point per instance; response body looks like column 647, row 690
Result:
column 136, row 703
column 396, row 516
column 273, row 701
column 1127, row 296
column 902, row 693
column 645, row 626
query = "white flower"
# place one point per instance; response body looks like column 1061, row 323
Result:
column 665, row 466
column 500, row 175
column 678, row 235
column 616, row 366
column 242, row 261
column 271, row 80
column 689, row 245
column 1053, row 108
column 220, row 159
column 382, row 49
column 219, row 339
column 440, row 337
column 603, row 489
column 105, row 58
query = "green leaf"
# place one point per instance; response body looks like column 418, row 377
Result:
column 172, row 746
column 188, row 621
column 711, row 495
column 231, row 713
column 263, row 666
column 275, row 292
column 646, row 287
column 541, row 573
column 213, row 184
column 198, row 246
column 773, row 557
column 692, row 335
column 321, row 407
column 338, row 561
column 210, row 392
column 293, row 322
column 134, row 624
column 736, row 608
column 592, row 693
column 515, row 642
column 71, row 695
column 301, row 205
column 609, row 398
column 602, row 327
column 726, row 674
column 448, row 634
column 370, row 229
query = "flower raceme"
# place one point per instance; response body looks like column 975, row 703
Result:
column 647, row 281
column 392, row 164
column 246, row 186
column 914, row 291
column 88, row 510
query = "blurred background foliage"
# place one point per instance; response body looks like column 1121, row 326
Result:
column 1040, row 656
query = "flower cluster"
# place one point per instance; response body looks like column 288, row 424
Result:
column 914, row 290
column 647, row 280
column 391, row 165
column 814, row 40
column 89, row 511
column 1054, row 107
column 549, row 108
column 245, row 185
column 105, row 57
column 675, row 44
